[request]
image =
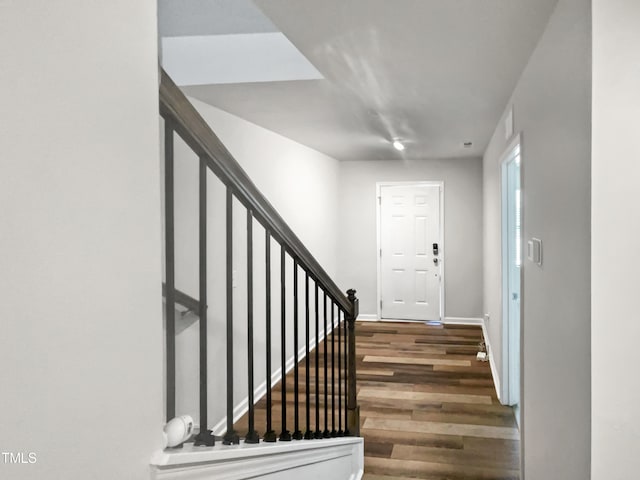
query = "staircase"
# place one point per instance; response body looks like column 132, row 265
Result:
column 277, row 315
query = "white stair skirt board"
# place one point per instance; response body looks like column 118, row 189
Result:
column 220, row 427
column 335, row 459
column 242, row 407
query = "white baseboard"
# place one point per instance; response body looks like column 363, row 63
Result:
column 389, row 320
column 463, row 321
column 372, row 317
column 487, row 341
column 492, row 362
column 242, row 407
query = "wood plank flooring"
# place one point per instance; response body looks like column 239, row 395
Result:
column 428, row 407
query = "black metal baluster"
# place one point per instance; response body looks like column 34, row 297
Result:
column 297, row 434
column 204, row 437
column 308, row 434
column 346, row 390
column 284, row 435
column 252, row 436
column 353, row 410
column 230, row 436
column 325, row 348
column 170, row 270
column 334, row 432
column 270, row 435
column 340, row 431
column 318, row 432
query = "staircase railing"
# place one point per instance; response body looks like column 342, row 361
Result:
column 329, row 303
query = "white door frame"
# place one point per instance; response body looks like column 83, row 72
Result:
column 506, row 379
column 441, row 244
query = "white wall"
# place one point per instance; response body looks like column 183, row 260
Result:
column 615, row 258
column 302, row 185
column 551, row 106
column 462, row 227
column 80, row 299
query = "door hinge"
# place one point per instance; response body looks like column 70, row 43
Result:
column 379, row 200
column 380, row 304
column 380, row 253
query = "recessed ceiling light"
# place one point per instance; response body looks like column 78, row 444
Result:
column 467, row 144
column 398, row 145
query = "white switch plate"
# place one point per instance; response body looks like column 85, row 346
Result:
column 534, row 251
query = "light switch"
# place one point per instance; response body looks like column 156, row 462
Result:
column 534, row 251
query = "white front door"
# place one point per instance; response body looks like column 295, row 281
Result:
column 410, row 252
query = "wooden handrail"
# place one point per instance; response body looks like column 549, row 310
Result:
column 194, row 130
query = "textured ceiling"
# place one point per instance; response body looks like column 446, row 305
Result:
column 433, row 73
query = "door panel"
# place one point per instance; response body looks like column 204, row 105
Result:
column 409, row 226
column 421, row 287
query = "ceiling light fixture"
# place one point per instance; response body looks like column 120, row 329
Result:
column 398, row 145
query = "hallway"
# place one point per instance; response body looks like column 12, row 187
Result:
column 429, row 408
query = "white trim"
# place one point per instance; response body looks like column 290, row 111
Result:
column 485, row 334
column 492, row 362
column 505, row 158
column 463, row 321
column 368, row 317
column 246, row 461
column 379, row 185
column 242, row 407
column 396, row 320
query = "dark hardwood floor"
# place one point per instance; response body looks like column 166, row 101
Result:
column 428, row 408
